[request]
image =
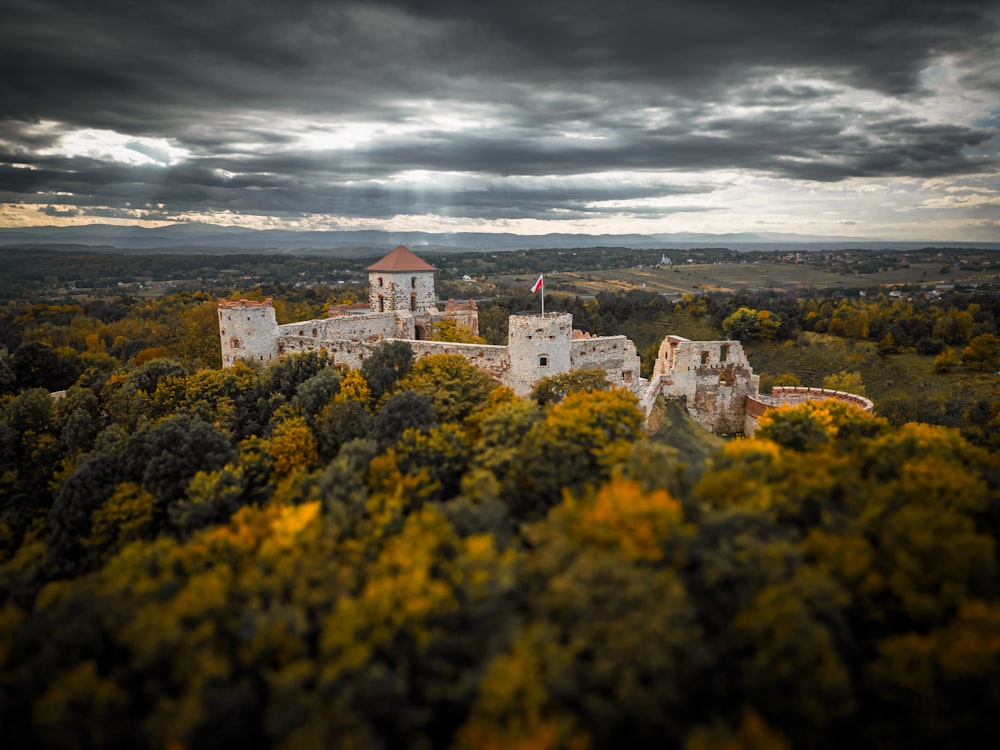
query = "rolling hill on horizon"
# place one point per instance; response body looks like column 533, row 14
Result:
column 215, row 239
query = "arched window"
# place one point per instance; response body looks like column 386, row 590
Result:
column 413, row 282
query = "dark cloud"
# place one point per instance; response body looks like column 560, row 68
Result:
column 655, row 87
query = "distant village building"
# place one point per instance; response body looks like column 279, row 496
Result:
column 713, row 378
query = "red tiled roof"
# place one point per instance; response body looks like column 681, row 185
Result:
column 401, row 259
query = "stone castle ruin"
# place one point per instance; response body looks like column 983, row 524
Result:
column 714, row 378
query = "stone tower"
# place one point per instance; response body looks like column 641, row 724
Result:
column 248, row 330
column 400, row 282
column 538, row 346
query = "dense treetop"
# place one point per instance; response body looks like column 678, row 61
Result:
column 412, row 556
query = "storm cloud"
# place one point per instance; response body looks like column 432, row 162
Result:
column 502, row 112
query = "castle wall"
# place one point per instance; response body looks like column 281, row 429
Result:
column 614, row 354
column 247, row 331
column 493, row 360
column 714, row 378
column 367, row 327
column 400, row 290
column 759, row 404
column 344, row 352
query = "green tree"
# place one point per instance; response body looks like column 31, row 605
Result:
column 577, row 444
column 946, row 361
column 982, row 353
column 847, row 382
column 455, row 388
column 385, row 366
column 403, row 410
column 450, row 330
column 555, row 388
column 751, row 325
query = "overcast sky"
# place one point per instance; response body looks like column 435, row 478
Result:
column 870, row 119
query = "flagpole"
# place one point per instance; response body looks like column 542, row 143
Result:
column 542, row 290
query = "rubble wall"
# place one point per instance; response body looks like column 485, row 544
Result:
column 616, row 355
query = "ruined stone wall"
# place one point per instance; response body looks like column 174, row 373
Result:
column 351, row 327
column 248, row 331
column 714, row 378
column 465, row 314
column 493, row 360
column 538, row 347
column 616, row 355
column 650, row 391
column 345, row 353
column 400, row 290
column 760, row 404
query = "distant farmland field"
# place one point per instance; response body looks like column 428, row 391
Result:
column 735, row 277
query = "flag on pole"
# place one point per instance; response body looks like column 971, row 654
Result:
column 537, row 286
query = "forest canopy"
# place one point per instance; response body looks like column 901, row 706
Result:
column 410, row 555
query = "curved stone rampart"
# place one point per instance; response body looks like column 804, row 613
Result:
column 758, row 405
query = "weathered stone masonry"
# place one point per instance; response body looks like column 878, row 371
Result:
column 714, row 378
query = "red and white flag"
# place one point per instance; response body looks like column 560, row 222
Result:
column 537, row 286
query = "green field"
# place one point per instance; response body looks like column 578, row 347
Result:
column 694, row 278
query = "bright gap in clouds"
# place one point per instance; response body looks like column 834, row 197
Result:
column 111, row 146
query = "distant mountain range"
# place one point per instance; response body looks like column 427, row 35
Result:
column 213, row 239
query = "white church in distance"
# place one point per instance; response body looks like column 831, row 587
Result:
column 713, row 377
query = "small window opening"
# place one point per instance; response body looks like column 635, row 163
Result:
column 381, row 302
column 380, row 282
column 704, row 358
column 413, row 302
column 724, row 353
column 413, row 282
column 543, row 360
